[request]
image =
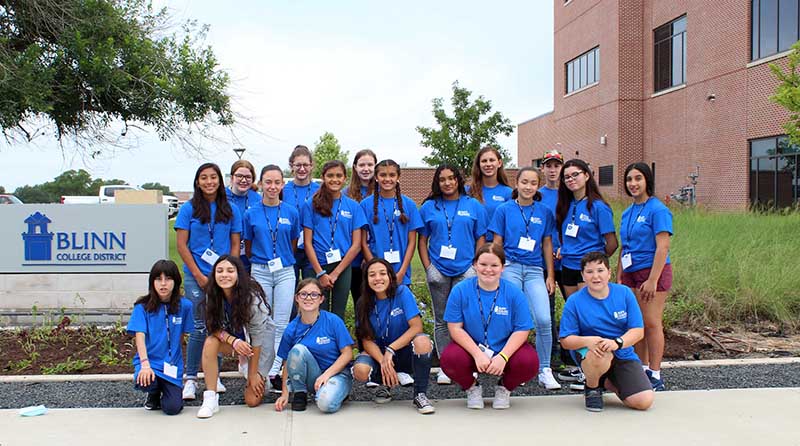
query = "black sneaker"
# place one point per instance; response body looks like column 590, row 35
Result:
column 299, row 401
column 153, row 401
column 571, row 375
column 383, row 395
column 423, row 404
column 594, row 399
column 277, row 383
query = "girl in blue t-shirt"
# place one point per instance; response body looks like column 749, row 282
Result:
column 585, row 220
column 242, row 194
column 239, row 324
column 454, row 226
column 523, row 227
column 389, row 327
column 489, row 321
column 317, row 351
column 332, row 226
column 158, row 322
column 271, row 231
column 392, row 222
column 489, row 182
column 207, row 227
column 362, row 185
column 644, row 263
column 297, row 192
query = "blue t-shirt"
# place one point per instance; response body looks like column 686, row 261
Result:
column 243, row 202
column 200, row 233
column 346, row 217
column 609, row 318
column 509, row 223
column 262, row 223
column 389, row 319
column 159, row 347
column 380, row 240
column 592, row 227
column 468, row 219
column 510, row 313
column 297, row 195
column 325, row 338
column 550, row 200
column 359, row 257
column 638, row 228
column 493, row 197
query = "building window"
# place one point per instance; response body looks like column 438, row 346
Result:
column 606, row 175
column 670, row 54
column 774, row 172
column 583, row 70
column 773, row 26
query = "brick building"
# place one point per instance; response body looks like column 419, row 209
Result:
column 681, row 85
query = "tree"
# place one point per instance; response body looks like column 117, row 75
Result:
column 71, row 182
column 459, row 137
column 2, row 190
column 157, row 186
column 327, row 149
column 83, row 65
column 34, row 194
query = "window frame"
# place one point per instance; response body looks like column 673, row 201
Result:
column 773, row 157
column 576, row 71
column 757, row 29
column 657, row 87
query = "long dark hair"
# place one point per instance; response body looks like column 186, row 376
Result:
column 539, row 179
column 322, row 202
column 354, row 191
column 270, row 168
column 476, row 188
column 245, row 290
column 649, row 187
column 565, row 195
column 366, row 304
column 436, row 191
column 151, row 301
column 386, row 164
column 201, row 210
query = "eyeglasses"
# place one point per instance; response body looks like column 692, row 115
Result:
column 241, row 177
column 309, row 296
column 573, row 176
column 301, row 166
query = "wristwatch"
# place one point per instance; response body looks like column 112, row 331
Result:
column 619, row 342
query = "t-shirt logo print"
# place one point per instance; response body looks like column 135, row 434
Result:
column 619, row 315
column 500, row 311
column 585, row 218
column 322, row 340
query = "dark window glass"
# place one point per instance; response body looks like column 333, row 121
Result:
column 762, row 147
column 774, row 172
column 787, row 24
column 606, row 175
column 768, row 17
column 774, row 26
column 755, row 31
column 669, row 54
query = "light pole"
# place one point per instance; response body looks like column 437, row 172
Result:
column 239, row 151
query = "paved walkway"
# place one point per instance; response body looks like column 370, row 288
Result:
column 719, row 417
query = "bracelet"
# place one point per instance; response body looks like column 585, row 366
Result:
column 234, row 343
column 231, row 339
column 321, row 273
column 142, row 361
column 503, row 355
column 221, row 336
column 391, row 350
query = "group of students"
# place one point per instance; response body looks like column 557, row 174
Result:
column 267, row 277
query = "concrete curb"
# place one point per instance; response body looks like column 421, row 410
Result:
column 129, row 376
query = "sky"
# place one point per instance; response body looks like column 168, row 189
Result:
column 366, row 71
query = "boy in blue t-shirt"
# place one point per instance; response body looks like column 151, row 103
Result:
column 601, row 323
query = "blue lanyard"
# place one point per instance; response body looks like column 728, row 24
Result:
column 527, row 220
column 273, row 233
column 385, row 332
column 294, row 189
column 390, row 222
column 303, row 336
column 632, row 222
column 486, row 321
column 211, row 225
column 448, row 220
column 169, row 338
column 334, row 222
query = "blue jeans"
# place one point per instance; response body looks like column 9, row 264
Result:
column 405, row 360
column 530, row 279
column 169, row 395
column 279, row 290
column 194, row 348
column 440, row 286
column 303, row 370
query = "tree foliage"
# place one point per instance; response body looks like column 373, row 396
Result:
column 459, row 137
column 83, row 65
column 71, row 182
column 327, row 149
column 157, row 186
column 787, row 93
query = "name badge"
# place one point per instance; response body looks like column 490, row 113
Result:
column 209, row 256
column 275, row 265
column 333, row 256
column 572, row 230
column 526, row 243
column 392, row 256
column 627, row 261
column 448, row 252
column 486, row 350
column 241, row 248
column 170, row 370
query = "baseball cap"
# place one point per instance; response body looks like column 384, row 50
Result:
column 553, row 155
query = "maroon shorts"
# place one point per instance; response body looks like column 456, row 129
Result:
column 635, row 279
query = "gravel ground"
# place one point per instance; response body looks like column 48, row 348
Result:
column 122, row 394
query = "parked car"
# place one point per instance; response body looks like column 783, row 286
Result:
column 9, row 199
column 106, row 196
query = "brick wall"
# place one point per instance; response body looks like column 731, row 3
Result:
column 416, row 181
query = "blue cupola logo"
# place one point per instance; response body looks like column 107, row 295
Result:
column 38, row 242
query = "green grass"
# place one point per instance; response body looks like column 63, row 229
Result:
column 728, row 268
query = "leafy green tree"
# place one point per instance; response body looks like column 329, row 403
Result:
column 2, row 190
column 459, row 137
column 34, row 194
column 327, row 149
column 87, row 66
column 157, row 186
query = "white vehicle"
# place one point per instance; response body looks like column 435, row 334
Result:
column 106, row 196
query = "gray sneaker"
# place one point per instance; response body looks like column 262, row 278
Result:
column 383, row 395
column 594, row 399
column 423, row 405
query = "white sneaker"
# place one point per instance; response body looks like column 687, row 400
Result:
column 190, row 389
column 220, row 387
column 547, row 380
column 475, row 397
column 502, row 398
column 243, row 367
column 371, row 384
column 443, row 379
column 405, row 379
column 210, row 404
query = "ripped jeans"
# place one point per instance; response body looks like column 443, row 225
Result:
column 405, row 360
column 303, row 370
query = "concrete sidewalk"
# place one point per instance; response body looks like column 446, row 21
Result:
column 719, row 417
